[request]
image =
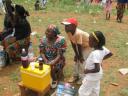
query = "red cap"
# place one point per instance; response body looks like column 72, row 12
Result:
column 70, row 21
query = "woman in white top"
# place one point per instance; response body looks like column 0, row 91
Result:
column 93, row 69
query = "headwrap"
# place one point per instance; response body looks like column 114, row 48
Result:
column 53, row 28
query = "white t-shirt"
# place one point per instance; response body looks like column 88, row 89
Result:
column 95, row 56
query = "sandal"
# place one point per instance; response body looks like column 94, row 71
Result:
column 54, row 84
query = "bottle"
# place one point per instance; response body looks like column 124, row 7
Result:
column 24, row 58
column 40, row 59
column 30, row 53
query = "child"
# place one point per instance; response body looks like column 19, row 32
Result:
column 107, row 8
column 93, row 68
column 37, row 5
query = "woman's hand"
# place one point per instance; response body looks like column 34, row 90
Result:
column 76, row 58
column 81, row 60
column 52, row 62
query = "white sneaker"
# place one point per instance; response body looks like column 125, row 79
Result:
column 54, row 84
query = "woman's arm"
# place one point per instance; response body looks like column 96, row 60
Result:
column 44, row 58
column 54, row 61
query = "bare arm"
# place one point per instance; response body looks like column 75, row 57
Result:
column 54, row 62
column 76, row 52
column 81, row 58
column 107, row 56
column 45, row 59
column 96, row 69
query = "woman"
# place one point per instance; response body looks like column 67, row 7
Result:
column 52, row 48
column 20, row 36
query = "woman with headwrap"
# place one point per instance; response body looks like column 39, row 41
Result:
column 20, row 36
column 52, row 48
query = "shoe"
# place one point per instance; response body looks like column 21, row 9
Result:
column 54, row 84
column 73, row 79
column 79, row 82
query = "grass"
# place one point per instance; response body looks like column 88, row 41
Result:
column 116, row 35
column 124, row 92
column 1, row 89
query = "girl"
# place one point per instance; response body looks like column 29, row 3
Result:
column 107, row 8
column 93, row 69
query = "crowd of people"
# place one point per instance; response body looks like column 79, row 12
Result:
column 121, row 6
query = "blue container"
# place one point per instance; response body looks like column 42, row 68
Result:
column 60, row 89
column 70, row 91
column 2, row 59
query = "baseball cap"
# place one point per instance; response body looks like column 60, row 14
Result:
column 70, row 21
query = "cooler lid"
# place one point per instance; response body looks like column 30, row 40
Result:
column 36, row 71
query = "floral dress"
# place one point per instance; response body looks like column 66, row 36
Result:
column 51, row 51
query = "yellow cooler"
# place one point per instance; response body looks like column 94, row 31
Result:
column 36, row 79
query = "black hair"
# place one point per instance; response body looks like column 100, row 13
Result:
column 101, row 38
column 21, row 11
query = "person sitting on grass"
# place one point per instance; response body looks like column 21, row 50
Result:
column 20, row 36
column 52, row 48
column 93, row 67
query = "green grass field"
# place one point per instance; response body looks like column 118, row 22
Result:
column 116, row 36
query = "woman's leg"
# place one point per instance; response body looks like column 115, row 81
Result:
column 53, row 73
